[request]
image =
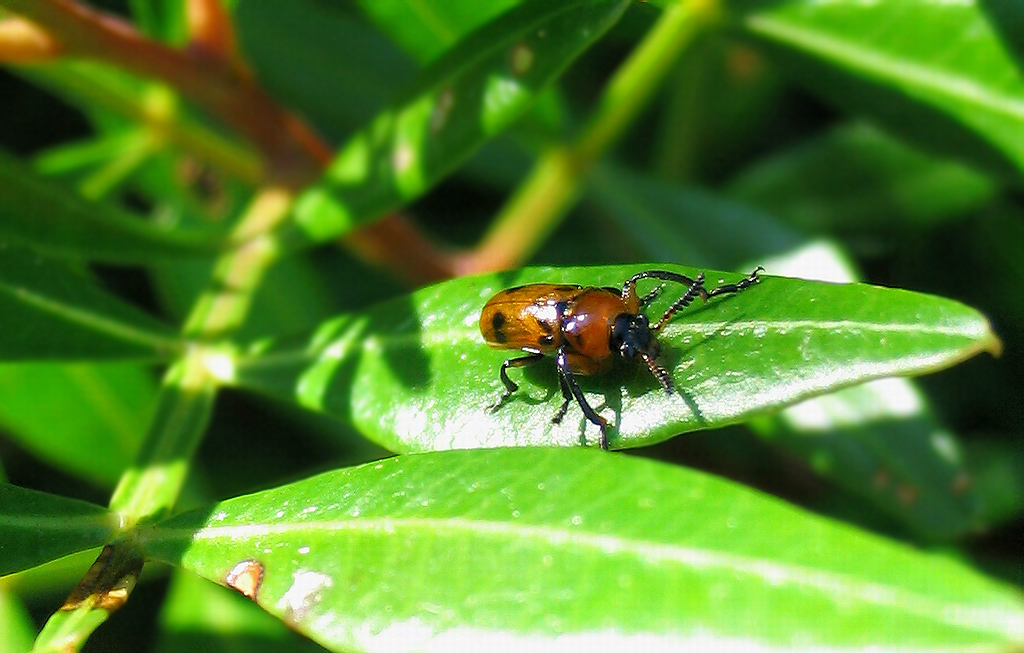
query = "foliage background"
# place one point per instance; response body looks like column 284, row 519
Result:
column 740, row 121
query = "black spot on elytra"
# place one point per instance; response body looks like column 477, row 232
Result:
column 497, row 324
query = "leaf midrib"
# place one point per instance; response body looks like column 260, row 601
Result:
column 89, row 319
column 835, row 586
column 892, row 69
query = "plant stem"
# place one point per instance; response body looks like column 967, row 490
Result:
column 222, row 90
column 293, row 154
column 553, row 184
column 151, row 487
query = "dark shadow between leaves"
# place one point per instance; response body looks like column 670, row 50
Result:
column 1007, row 20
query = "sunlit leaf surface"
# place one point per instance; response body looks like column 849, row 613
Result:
column 414, row 373
column 562, row 549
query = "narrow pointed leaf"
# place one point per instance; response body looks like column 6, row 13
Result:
column 855, row 178
column 956, row 85
column 44, row 215
column 104, row 411
column 469, row 96
column 15, row 624
column 553, row 550
column 425, row 29
column 414, row 373
column 337, row 54
column 881, row 441
column 52, row 313
column 36, row 527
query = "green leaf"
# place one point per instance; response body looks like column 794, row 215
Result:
column 956, row 85
column 855, row 178
column 36, row 527
column 673, row 222
column 44, row 215
column 572, row 549
column 469, row 96
column 879, row 440
column 426, row 29
column 338, row 55
column 199, row 616
column 104, row 410
column 414, row 374
column 52, row 313
column 15, row 624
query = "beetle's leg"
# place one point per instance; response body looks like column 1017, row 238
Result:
column 737, row 287
column 510, row 385
column 563, row 367
column 629, row 288
column 566, row 395
column 659, row 372
column 695, row 290
column 698, row 290
column 651, row 296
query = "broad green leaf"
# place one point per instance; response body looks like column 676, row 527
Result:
column 36, row 527
column 569, row 549
column 414, row 374
column 426, row 29
column 469, row 96
column 855, row 178
column 941, row 73
column 86, row 420
column 52, row 313
column 44, row 215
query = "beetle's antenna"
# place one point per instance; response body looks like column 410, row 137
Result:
column 658, row 371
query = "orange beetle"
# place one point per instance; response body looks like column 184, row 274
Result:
column 583, row 328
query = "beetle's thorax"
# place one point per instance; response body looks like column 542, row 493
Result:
column 587, row 322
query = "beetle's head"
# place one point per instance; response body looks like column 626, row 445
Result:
column 632, row 337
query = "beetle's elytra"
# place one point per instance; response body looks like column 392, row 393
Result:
column 584, row 328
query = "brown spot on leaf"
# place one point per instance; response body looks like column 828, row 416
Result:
column 521, row 59
column 961, row 484
column 881, row 479
column 907, row 494
column 245, row 578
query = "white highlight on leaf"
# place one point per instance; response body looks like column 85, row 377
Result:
column 303, row 593
column 839, row 587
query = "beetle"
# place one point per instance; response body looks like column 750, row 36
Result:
column 584, row 328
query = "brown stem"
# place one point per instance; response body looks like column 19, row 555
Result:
column 222, row 90
column 212, row 76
